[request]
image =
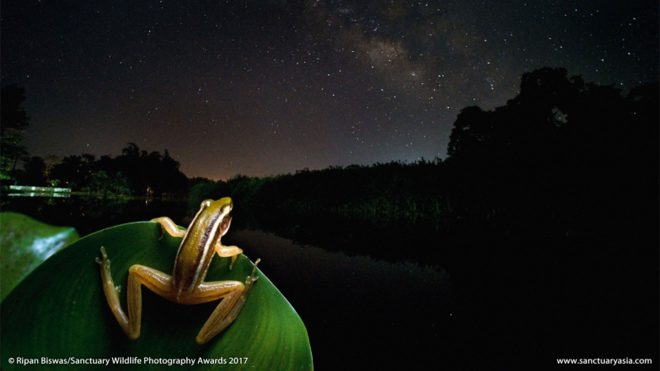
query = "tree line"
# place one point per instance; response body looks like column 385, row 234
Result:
column 563, row 158
column 134, row 172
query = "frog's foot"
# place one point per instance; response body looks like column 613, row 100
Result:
column 252, row 278
column 103, row 261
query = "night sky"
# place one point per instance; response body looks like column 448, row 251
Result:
column 264, row 88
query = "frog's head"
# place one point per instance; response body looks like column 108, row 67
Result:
column 219, row 209
column 221, row 206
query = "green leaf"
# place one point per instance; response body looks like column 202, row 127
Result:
column 60, row 310
column 24, row 244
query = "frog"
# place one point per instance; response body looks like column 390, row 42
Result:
column 201, row 241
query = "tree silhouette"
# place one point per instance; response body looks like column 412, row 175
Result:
column 14, row 122
column 558, row 157
column 35, row 171
column 135, row 171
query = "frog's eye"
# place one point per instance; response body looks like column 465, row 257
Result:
column 205, row 204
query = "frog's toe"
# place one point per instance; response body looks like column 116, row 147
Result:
column 250, row 280
column 104, row 263
column 233, row 260
column 103, row 260
column 254, row 266
column 253, row 275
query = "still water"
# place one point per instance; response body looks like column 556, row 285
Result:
column 360, row 312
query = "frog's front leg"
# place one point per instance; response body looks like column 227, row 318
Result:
column 138, row 275
column 170, row 227
column 228, row 252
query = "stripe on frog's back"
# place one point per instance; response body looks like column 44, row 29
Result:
column 206, row 247
column 179, row 272
column 198, row 251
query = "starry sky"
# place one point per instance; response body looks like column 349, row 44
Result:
column 268, row 87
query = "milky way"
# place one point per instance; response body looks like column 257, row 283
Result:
column 261, row 88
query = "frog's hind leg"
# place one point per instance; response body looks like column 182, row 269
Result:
column 233, row 295
column 138, row 275
column 170, row 227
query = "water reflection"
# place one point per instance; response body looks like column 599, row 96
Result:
column 359, row 312
column 39, row 194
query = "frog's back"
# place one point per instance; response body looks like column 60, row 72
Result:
column 197, row 249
